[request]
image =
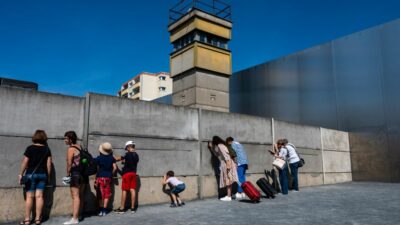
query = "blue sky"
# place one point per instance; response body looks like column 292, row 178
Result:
column 77, row 46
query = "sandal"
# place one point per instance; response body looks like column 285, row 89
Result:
column 25, row 222
column 38, row 222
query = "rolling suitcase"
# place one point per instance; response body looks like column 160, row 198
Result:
column 269, row 176
column 266, row 187
column 251, row 192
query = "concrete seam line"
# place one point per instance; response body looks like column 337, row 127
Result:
column 86, row 119
column 273, row 130
column 200, row 170
column 139, row 136
column 322, row 155
column 336, row 150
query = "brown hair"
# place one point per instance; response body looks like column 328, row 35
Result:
column 281, row 142
column 71, row 135
column 170, row 173
column 39, row 137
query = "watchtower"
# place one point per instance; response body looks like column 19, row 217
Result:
column 201, row 61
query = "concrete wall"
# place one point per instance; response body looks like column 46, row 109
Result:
column 167, row 138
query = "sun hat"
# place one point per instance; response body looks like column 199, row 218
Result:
column 129, row 143
column 105, row 148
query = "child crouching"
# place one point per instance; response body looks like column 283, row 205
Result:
column 177, row 187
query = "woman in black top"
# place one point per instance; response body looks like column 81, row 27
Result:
column 36, row 165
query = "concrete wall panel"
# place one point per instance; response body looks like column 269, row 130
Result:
column 334, row 178
column 11, row 155
column 156, row 156
column 300, row 135
column 210, row 188
column 243, row 128
column 113, row 115
column 313, row 159
column 310, row 179
column 335, row 140
column 22, row 112
column 336, row 161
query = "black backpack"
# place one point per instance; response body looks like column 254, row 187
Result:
column 87, row 165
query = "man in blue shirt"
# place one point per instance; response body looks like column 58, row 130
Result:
column 241, row 160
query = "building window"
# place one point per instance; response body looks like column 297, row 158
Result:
column 162, row 77
column 130, row 84
column 182, row 98
column 212, row 40
column 162, row 88
column 184, row 41
column 136, row 90
column 213, row 97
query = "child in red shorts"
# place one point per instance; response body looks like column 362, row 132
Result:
column 130, row 161
column 106, row 168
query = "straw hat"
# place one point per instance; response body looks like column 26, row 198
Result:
column 105, row 148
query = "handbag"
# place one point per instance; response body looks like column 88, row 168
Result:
column 301, row 162
column 279, row 163
column 27, row 178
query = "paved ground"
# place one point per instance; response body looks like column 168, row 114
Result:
column 349, row 203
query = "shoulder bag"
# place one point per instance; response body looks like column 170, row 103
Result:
column 27, row 178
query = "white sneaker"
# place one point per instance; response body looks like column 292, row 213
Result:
column 71, row 221
column 226, row 199
column 244, row 195
column 238, row 195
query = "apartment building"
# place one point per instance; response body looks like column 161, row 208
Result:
column 147, row 86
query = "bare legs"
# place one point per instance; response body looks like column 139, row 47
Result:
column 176, row 199
column 39, row 202
column 229, row 190
column 76, row 202
column 28, row 205
column 133, row 198
column 103, row 203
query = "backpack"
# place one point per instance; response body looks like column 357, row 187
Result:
column 87, row 165
column 232, row 152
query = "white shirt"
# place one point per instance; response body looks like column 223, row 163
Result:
column 283, row 153
column 174, row 181
column 293, row 157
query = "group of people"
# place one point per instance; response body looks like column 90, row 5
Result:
column 287, row 152
column 233, row 164
column 36, row 168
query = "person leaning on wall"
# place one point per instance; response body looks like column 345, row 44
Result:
column 293, row 160
column 228, row 171
column 283, row 173
column 242, row 164
column 36, row 165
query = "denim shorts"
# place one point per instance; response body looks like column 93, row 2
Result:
column 36, row 182
column 178, row 189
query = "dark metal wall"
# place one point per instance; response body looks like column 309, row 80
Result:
column 350, row 84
